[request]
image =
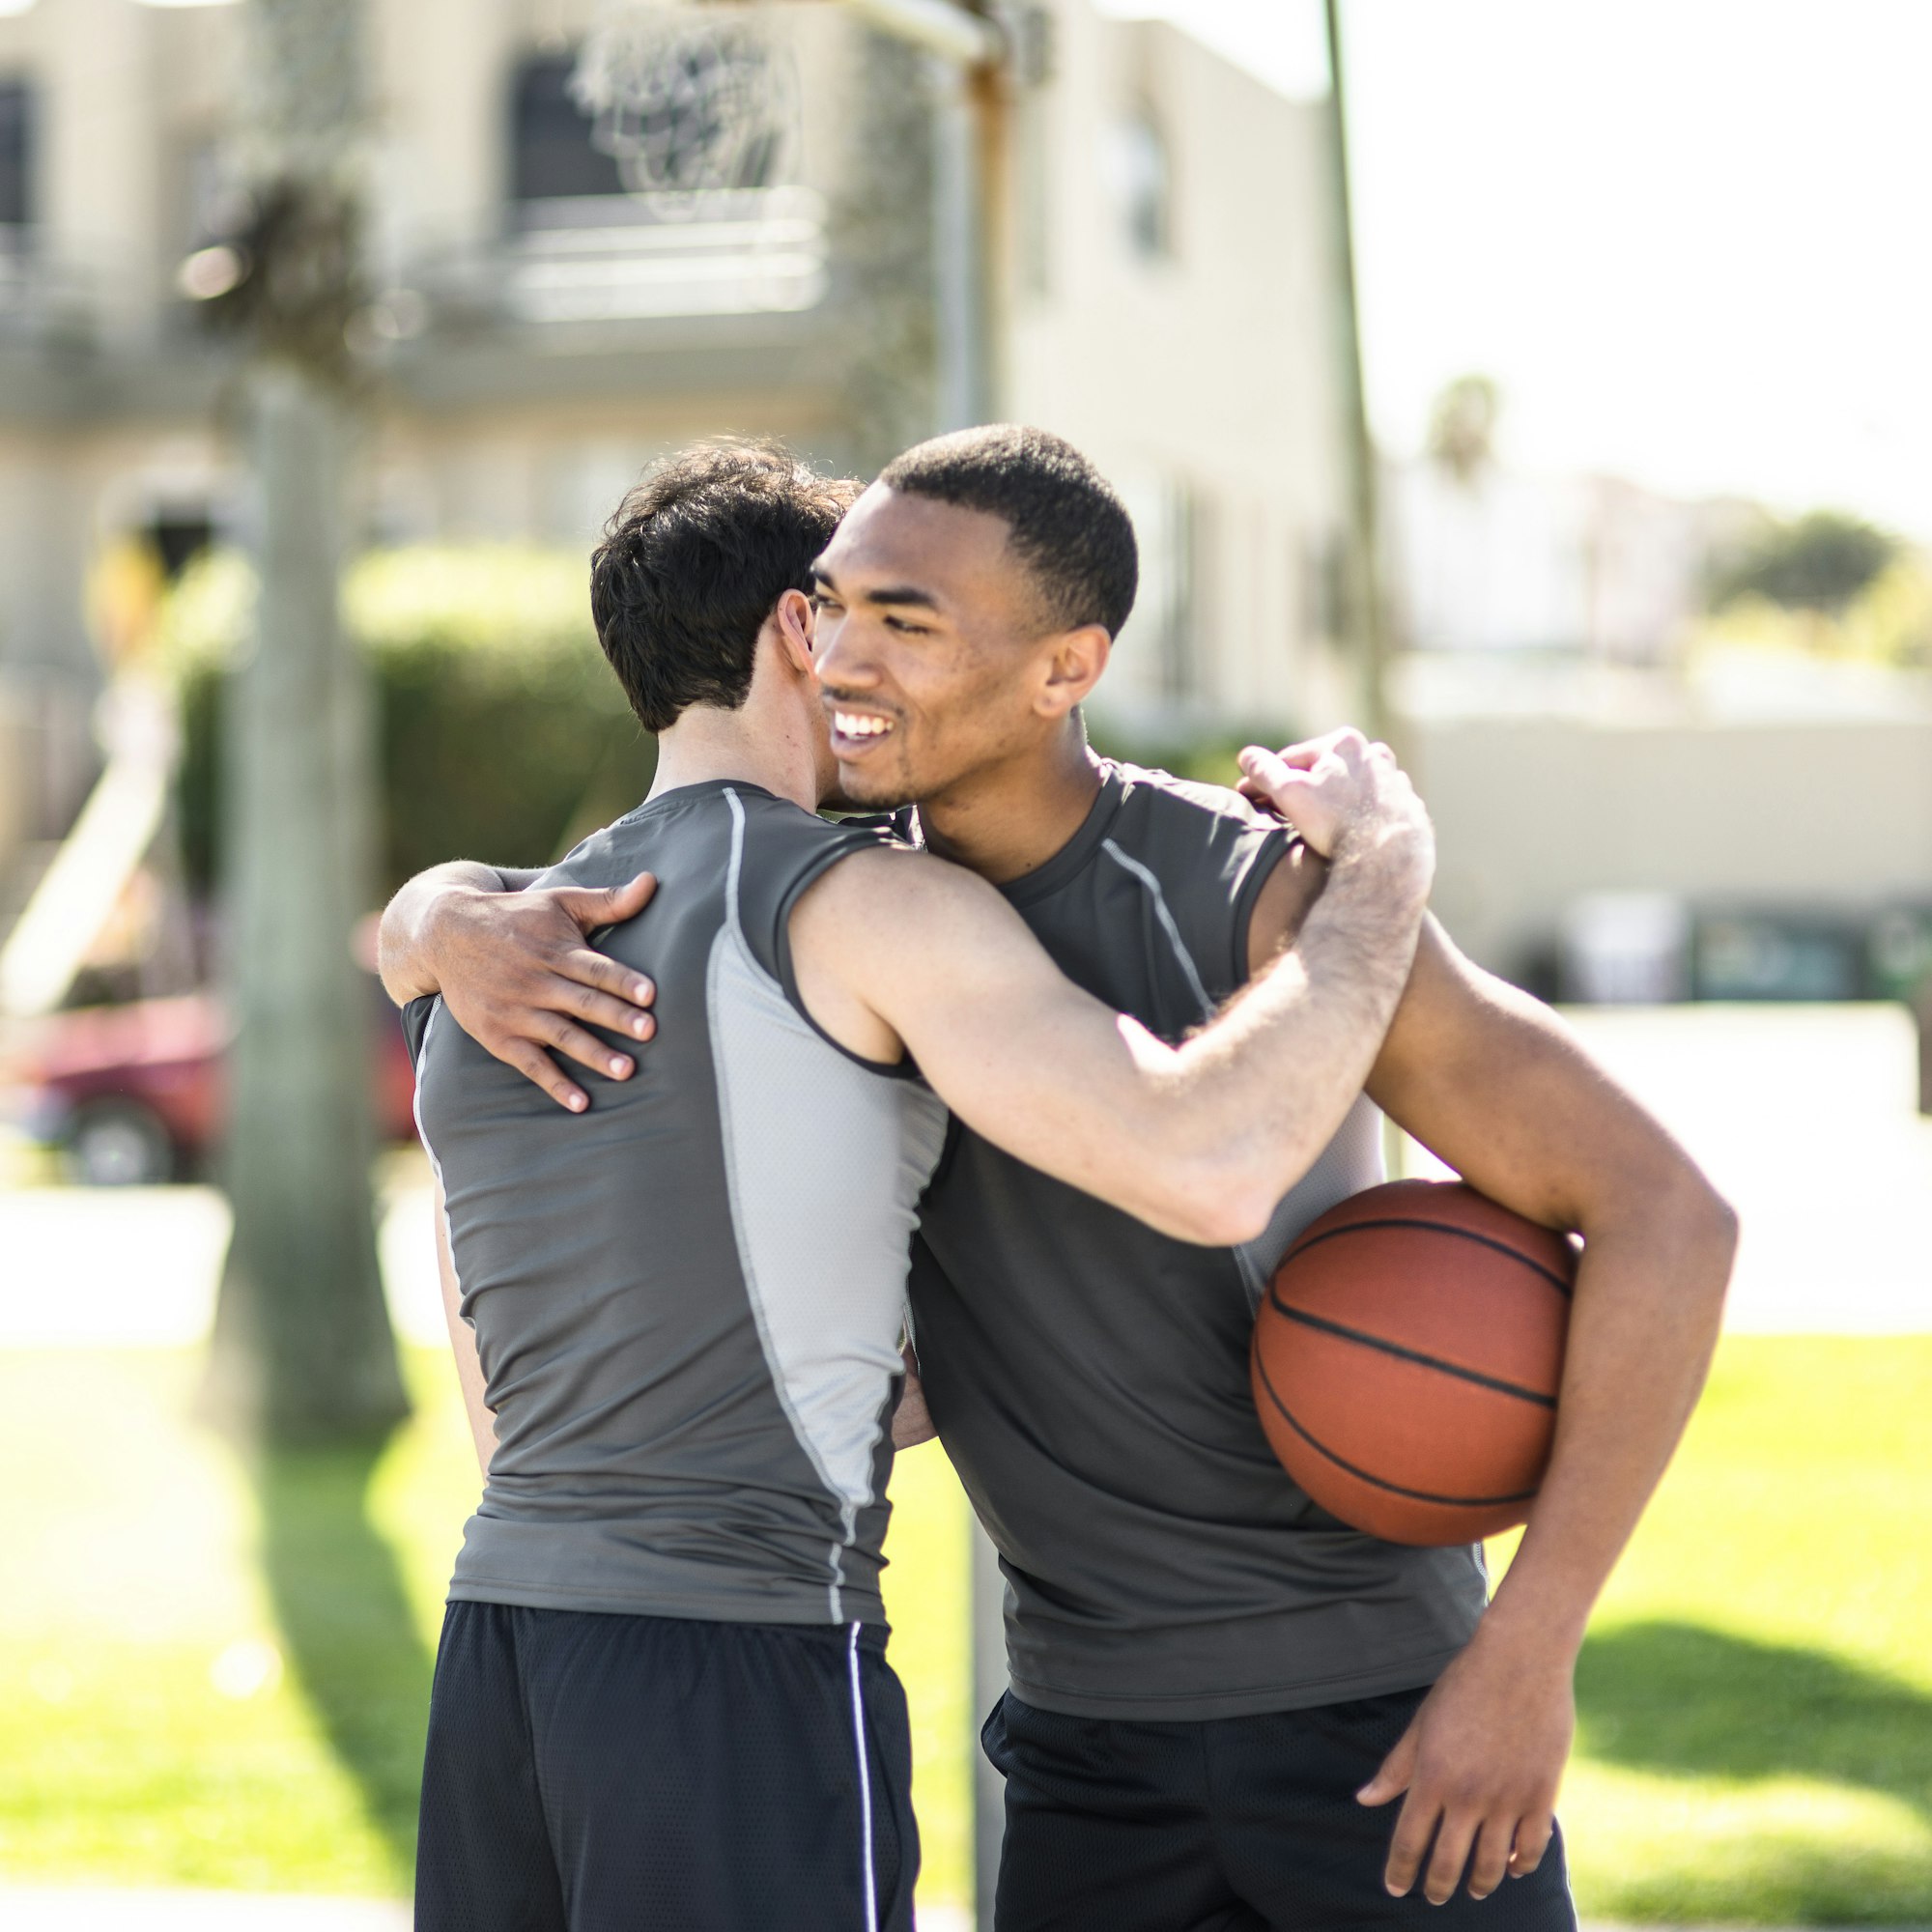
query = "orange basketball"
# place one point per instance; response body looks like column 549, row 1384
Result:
column 1406, row 1359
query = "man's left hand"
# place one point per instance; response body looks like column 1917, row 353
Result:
column 1480, row 1763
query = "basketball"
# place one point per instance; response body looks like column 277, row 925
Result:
column 1406, row 1359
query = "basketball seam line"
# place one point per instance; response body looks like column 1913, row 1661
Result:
column 1380, row 1482
column 1556, row 1280
column 1368, row 1340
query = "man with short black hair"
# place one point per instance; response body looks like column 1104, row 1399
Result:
column 1215, row 1684
column 661, row 1695
column 1067, row 525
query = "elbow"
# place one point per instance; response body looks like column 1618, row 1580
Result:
column 389, row 951
column 1718, row 1229
column 1704, row 1220
column 1227, row 1205
column 1695, row 1224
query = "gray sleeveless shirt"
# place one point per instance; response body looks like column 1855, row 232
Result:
column 1089, row 1377
column 687, row 1299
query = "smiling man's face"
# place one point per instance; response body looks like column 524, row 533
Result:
column 931, row 653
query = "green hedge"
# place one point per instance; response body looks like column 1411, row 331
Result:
column 501, row 734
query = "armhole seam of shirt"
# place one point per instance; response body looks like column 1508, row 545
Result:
column 1248, row 897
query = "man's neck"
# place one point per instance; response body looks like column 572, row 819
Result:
column 707, row 744
column 1010, row 819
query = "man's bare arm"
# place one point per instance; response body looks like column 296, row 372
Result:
column 1493, row 1082
column 912, row 1420
column 1496, row 1085
column 463, row 1341
column 514, row 970
column 1199, row 1140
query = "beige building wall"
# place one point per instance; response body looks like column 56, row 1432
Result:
column 1196, row 375
column 1799, row 817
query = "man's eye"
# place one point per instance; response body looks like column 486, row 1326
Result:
column 907, row 629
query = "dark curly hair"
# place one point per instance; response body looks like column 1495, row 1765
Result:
column 693, row 564
column 1069, row 530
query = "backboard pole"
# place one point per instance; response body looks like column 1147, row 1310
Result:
column 955, row 33
column 1367, row 616
column 968, row 173
column 965, row 378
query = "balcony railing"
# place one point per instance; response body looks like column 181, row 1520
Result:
column 609, row 258
column 42, row 300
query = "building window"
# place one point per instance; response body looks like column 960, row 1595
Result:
column 1143, row 184
column 1160, row 645
column 16, row 153
column 550, row 150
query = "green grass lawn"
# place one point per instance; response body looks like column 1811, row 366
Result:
column 214, row 1672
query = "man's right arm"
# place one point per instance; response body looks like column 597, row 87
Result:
column 1199, row 1140
column 515, row 969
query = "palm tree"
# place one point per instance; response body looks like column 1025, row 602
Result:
column 303, row 1347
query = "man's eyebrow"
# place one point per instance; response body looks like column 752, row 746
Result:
column 890, row 593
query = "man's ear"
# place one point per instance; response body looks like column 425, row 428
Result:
column 1074, row 663
column 797, row 628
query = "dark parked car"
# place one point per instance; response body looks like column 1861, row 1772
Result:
column 137, row 1093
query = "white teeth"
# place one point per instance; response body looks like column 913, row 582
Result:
column 859, row 725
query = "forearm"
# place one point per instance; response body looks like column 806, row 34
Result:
column 1643, row 1323
column 403, row 949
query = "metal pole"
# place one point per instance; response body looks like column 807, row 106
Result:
column 964, row 388
column 965, row 397
column 952, row 32
column 964, row 186
column 1365, row 617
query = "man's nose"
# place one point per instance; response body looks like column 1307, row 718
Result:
column 843, row 659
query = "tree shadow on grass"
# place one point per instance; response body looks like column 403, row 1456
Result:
column 1680, row 1697
column 346, row 1625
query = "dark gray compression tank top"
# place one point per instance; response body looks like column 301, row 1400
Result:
column 1089, row 1377
column 687, row 1299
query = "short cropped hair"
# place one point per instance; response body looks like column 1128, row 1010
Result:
column 693, row 564
column 1069, row 530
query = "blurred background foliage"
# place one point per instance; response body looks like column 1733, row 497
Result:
column 501, row 734
column 1826, row 583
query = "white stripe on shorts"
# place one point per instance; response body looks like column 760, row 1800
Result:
column 865, row 1787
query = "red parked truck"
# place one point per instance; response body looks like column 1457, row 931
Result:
column 136, row 1095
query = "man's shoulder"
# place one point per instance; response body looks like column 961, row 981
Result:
column 1158, row 807
column 1205, row 852
column 761, row 826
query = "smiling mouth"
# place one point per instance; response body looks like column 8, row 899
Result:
column 855, row 729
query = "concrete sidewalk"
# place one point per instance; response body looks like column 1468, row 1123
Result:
column 1804, row 1116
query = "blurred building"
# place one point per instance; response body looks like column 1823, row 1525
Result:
column 1623, row 817
column 538, row 332
column 1592, row 566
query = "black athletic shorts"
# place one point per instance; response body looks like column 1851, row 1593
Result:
column 592, row 1772
column 1238, row 1825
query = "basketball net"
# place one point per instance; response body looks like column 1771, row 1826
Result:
column 690, row 98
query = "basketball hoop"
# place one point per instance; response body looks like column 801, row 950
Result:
column 690, row 99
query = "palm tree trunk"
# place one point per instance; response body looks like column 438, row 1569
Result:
column 302, row 1346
